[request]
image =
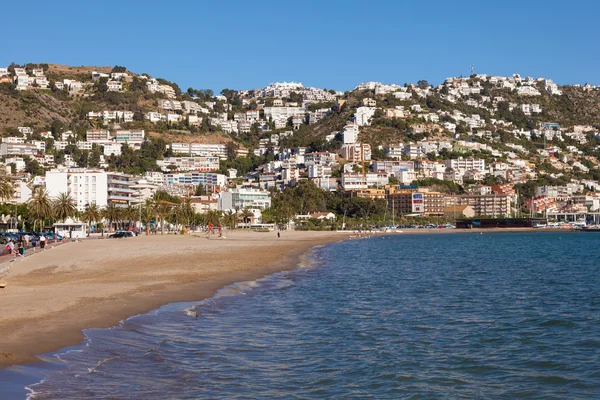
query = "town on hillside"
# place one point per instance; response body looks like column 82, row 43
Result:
column 289, row 155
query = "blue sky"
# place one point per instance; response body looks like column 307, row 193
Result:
column 333, row 44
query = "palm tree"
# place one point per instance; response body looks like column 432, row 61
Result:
column 130, row 213
column 148, row 214
column 213, row 217
column 91, row 214
column 247, row 215
column 230, row 219
column 187, row 210
column 63, row 207
column 7, row 190
column 163, row 209
column 112, row 214
column 40, row 207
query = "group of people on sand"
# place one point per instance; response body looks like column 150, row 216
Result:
column 24, row 241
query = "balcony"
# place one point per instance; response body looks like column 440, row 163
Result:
column 116, row 197
column 120, row 189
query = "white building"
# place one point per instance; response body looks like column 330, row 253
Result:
column 112, row 148
column 84, row 186
column 350, row 133
column 133, row 138
column 243, row 197
column 463, row 165
column 18, row 148
column 200, row 149
column 279, row 113
column 363, row 115
column 353, row 181
column 205, row 164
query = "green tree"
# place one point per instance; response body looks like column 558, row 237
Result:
column 63, row 207
column 112, row 213
column 148, row 214
column 130, row 213
column 39, row 206
column 7, row 189
column 230, row 219
column 91, row 215
column 247, row 215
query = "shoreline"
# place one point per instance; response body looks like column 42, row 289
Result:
column 52, row 296
column 48, row 303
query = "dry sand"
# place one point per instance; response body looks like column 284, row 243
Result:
column 52, row 296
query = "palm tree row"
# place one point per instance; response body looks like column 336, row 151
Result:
column 42, row 208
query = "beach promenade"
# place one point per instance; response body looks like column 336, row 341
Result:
column 52, row 295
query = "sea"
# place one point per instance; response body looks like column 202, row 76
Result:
column 407, row 316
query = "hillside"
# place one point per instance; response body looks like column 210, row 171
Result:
column 497, row 118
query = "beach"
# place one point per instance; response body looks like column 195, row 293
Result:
column 53, row 295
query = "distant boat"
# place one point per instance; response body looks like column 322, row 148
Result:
column 591, row 228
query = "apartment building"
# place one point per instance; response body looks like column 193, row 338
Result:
column 119, row 189
column 243, row 197
column 463, row 165
column 353, row 181
column 133, row 138
column 200, row 149
column 415, row 201
column 98, row 135
column 18, row 148
column 356, row 152
column 319, row 158
column 205, row 164
column 83, row 185
column 482, row 204
column 211, row 180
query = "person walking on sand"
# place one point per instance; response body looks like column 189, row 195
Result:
column 278, row 233
column 42, row 242
column 33, row 243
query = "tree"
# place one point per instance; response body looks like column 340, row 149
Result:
column 162, row 209
column 247, row 215
column 39, row 206
column 130, row 213
column 91, row 214
column 213, row 217
column 112, row 213
column 148, row 214
column 118, row 68
column 101, row 85
column 63, row 207
column 7, row 189
column 230, row 219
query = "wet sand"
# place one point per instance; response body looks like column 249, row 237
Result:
column 52, row 296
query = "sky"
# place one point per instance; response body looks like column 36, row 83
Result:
column 328, row 44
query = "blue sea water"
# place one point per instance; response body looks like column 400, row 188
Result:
column 495, row 316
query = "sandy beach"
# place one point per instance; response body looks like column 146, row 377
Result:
column 52, row 296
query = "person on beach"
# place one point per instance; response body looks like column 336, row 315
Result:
column 42, row 242
column 10, row 246
column 21, row 249
column 26, row 239
column 33, row 242
column 278, row 233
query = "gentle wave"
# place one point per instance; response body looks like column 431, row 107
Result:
column 440, row 316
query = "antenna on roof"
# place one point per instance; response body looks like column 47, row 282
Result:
column 472, row 69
